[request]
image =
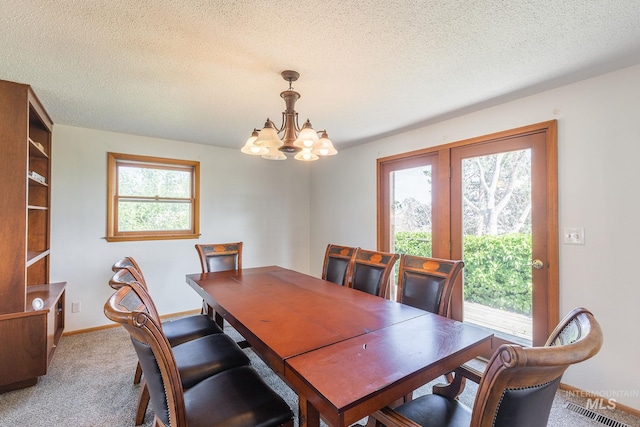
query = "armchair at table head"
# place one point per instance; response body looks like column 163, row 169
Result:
column 338, row 261
column 220, row 256
column 427, row 283
column 371, row 270
column 236, row 397
column 517, row 387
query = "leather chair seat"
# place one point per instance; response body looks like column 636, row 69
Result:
column 189, row 328
column 235, row 398
column 436, row 410
column 207, row 356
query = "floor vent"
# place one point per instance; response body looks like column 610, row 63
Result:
column 595, row 416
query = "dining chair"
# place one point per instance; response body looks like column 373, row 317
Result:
column 427, row 283
column 235, row 397
column 220, row 256
column 178, row 331
column 338, row 261
column 199, row 354
column 517, row 387
column 371, row 270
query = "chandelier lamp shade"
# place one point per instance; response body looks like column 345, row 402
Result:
column 302, row 142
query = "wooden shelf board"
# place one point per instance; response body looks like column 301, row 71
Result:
column 37, row 208
column 50, row 294
column 33, row 257
column 35, row 182
column 35, row 150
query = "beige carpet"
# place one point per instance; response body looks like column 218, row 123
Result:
column 90, row 384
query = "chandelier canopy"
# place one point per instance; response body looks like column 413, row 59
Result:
column 303, row 141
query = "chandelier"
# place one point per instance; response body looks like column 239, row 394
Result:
column 303, row 141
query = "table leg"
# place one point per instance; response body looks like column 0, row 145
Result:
column 308, row 416
column 219, row 320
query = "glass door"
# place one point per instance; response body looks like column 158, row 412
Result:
column 408, row 189
column 504, row 228
column 490, row 201
column 496, row 242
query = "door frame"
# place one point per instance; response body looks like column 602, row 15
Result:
column 442, row 205
column 411, row 160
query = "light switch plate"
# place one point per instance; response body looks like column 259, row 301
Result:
column 573, row 236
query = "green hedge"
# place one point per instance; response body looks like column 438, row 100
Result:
column 497, row 270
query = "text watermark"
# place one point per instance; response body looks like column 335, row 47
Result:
column 602, row 399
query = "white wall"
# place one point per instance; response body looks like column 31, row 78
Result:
column 599, row 159
column 263, row 203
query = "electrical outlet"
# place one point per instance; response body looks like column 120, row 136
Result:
column 573, row 236
column 75, row 307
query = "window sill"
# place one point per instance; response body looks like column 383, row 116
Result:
column 132, row 238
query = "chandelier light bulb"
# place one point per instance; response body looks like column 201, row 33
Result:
column 306, row 155
column 274, row 154
column 307, row 138
column 268, row 136
column 251, row 148
column 325, row 146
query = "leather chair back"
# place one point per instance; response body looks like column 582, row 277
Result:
column 338, row 261
column 427, row 283
column 130, row 276
column 129, row 262
column 371, row 270
column 220, row 257
column 129, row 307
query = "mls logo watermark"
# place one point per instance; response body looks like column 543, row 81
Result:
column 603, row 399
column 600, row 403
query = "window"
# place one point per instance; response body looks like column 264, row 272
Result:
column 151, row 198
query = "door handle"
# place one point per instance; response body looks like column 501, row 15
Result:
column 537, row 264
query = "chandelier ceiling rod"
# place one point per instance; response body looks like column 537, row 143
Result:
column 289, row 115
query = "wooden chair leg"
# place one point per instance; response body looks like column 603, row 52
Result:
column 138, row 374
column 143, row 403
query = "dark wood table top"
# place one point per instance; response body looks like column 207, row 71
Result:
column 284, row 313
column 351, row 379
column 345, row 352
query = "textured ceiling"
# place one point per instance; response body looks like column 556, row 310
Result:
column 209, row 71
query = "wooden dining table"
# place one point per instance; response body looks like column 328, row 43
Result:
column 344, row 352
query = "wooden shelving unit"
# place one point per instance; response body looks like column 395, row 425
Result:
column 30, row 333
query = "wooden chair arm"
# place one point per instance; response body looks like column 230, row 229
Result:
column 458, row 382
column 391, row 418
column 470, row 373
